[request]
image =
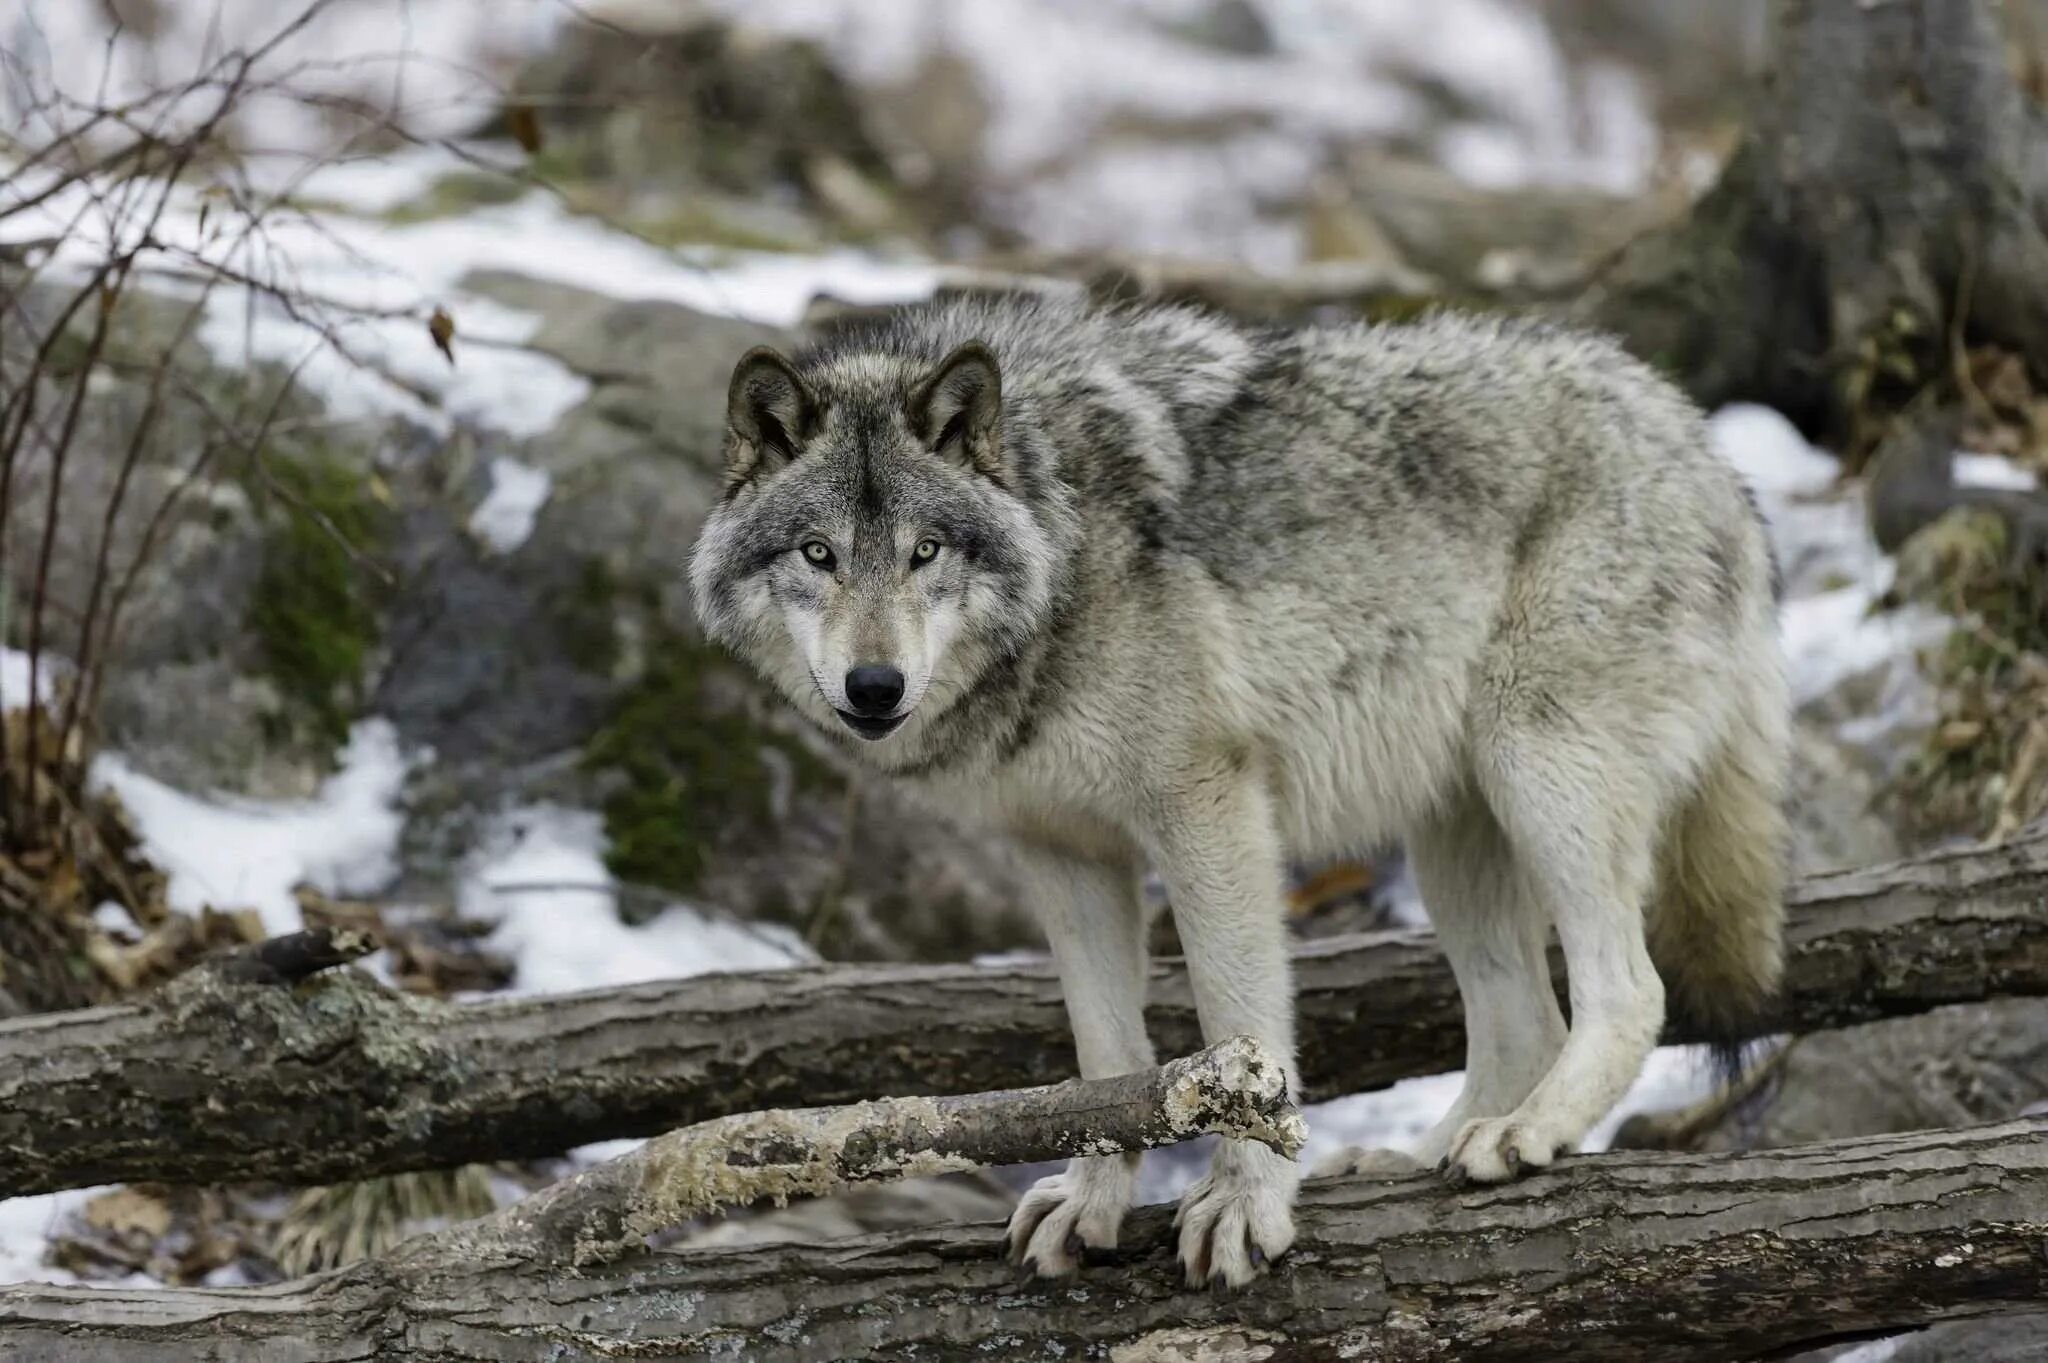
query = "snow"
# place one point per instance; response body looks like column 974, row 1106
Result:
column 1994, row 471
column 505, row 517
column 1830, row 624
column 540, row 874
column 1770, row 453
column 1872, row 1351
column 14, row 676
column 426, row 65
column 358, row 340
column 248, row 854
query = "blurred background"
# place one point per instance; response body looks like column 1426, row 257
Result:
column 364, row 362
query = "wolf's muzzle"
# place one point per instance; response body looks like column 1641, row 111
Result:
column 873, row 690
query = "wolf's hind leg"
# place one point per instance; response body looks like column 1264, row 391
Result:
column 1492, row 927
column 1094, row 921
column 1583, row 834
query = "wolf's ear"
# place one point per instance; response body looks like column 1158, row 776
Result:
column 957, row 411
column 769, row 413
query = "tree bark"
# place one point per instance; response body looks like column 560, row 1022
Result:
column 216, row 1079
column 1609, row 1257
column 1888, row 199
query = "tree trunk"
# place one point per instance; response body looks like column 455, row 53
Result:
column 340, row 1079
column 1887, row 200
column 1610, row 1257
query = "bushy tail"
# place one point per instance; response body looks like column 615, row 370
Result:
column 1716, row 927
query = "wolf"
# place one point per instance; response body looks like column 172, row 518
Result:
column 1141, row 587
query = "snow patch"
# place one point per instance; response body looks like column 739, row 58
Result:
column 1769, row 452
column 251, row 854
column 541, row 875
column 14, row 677
column 358, row 340
column 504, row 519
column 1994, row 471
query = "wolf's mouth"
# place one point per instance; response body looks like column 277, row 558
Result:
column 880, row 726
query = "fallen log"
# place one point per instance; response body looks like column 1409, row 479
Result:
column 222, row 1078
column 1603, row 1258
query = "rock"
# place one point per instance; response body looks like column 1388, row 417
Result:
column 679, row 125
column 1834, row 807
column 1228, row 26
column 1955, row 1066
column 201, row 694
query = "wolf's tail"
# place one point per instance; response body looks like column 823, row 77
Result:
column 1716, row 926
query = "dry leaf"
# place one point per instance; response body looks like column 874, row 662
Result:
column 524, row 125
column 441, row 327
column 125, row 1211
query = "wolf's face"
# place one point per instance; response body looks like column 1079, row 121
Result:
column 868, row 557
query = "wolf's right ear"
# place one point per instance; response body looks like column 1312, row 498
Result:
column 769, row 413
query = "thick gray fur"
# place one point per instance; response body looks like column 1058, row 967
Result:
column 1207, row 598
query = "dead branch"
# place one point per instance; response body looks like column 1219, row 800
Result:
column 1602, row 1259
column 341, row 1079
column 1233, row 1088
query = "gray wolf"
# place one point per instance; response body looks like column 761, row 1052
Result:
column 1141, row 587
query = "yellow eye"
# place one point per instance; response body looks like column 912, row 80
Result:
column 818, row 552
column 926, row 551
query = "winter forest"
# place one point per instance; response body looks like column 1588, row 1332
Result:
column 420, row 941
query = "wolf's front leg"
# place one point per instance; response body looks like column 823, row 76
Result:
column 1219, row 852
column 1094, row 921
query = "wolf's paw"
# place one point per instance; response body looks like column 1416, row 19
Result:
column 1357, row 1159
column 1074, row 1211
column 1496, row 1149
column 1239, row 1217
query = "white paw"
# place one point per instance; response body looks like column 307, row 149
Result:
column 1078, row 1209
column 1239, row 1217
column 1496, row 1149
column 1357, row 1159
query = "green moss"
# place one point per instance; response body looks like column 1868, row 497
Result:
column 583, row 617
column 314, row 608
column 458, row 192
column 694, row 768
column 692, row 224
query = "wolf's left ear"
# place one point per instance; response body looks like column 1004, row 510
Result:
column 957, row 411
column 769, row 413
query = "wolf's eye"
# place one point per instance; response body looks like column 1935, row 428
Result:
column 926, row 551
column 818, row 553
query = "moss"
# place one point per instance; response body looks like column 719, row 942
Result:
column 314, row 608
column 694, row 769
column 690, row 223
column 458, row 192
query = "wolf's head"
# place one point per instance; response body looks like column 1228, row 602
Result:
column 871, row 555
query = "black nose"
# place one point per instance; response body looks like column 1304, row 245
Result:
column 873, row 690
